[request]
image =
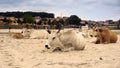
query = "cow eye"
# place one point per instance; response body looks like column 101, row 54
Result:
column 28, row 31
column 96, row 30
column 53, row 38
column 22, row 32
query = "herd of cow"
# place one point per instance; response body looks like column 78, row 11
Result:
column 69, row 39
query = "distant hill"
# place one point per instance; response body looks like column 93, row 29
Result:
column 20, row 14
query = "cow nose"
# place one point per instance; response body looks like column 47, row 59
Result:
column 91, row 35
column 22, row 32
column 95, row 35
column 46, row 46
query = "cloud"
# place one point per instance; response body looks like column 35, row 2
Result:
column 111, row 3
column 87, row 9
column 10, row 2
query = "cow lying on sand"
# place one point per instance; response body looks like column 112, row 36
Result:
column 36, row 34
column 105, row 35
column 66, row 40
column 25, row 33
column 88, row 32
column 16, row 35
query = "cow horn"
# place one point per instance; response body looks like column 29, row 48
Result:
column 58, row 30
column 48, row 31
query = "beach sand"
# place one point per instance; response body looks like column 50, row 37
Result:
column 28, row 53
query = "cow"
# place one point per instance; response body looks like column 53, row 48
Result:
column 16, row 35
column 105, row 35
column 36, row 34
column 39, row 34
column 88, row 32
column 66, row 41
column 26, row 33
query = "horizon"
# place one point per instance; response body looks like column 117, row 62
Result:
column 85, row 9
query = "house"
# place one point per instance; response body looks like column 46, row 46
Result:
column 1, row 19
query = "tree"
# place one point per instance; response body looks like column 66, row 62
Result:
column 49, row 22
column 61, row 21
column 54, row 23
column 19, row 21
column 44, row 19
column 66, row 22
column 74, row 20
column 27, row 18
column 5, row 20
column 19, row 14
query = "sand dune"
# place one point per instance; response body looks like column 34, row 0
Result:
column 27, row 53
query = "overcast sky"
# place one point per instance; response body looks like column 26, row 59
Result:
column 85, row 9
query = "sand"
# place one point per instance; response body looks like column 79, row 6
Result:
column 28, row 53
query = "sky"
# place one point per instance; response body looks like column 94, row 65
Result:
column 85, row 9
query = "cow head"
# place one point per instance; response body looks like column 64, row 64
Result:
column 26, row 32
column 96, row 30
column 54, row 42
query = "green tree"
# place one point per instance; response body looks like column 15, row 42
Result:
column 74, row 20
column 66, row 22
column 27, row 18
column 19, row 21
column 44, row 19
column 49, row 22
column 54, row 22
column 61, row 21
column 58, row 24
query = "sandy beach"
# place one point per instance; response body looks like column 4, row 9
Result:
column 27, row 53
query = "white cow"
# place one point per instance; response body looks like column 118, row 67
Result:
column 36, row 34
column 88, row 32
column 66, row 40
column 26, row 33
column 85, row 30
column 39, row 34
